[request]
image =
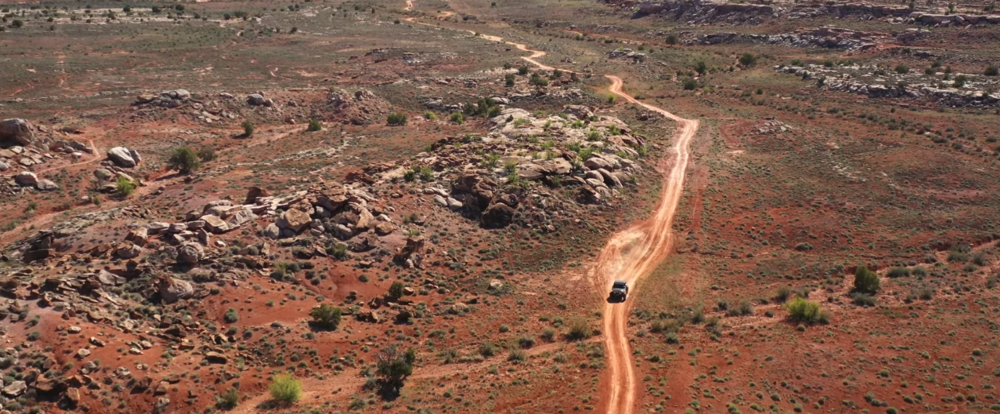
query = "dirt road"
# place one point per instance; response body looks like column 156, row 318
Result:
column 629, row 255
column 633, row 254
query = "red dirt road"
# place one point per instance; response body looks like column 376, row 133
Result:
column 633, row 254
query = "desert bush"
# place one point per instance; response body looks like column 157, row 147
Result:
column 992, row 71
column 326, row 316
column 805, row 311
column 902, row 69
column 394, row 365
column 748, row 60
column 961, row 80
column 517, row 355
column 124, row 187
column 396, row 119
column 898, row 272
column 782, row 295
column 231, row 316
column 690, row 84
column 671, row 39
column 314, row 125
column 184, row 160
column 247, row 129
column 701, row 67
column 396, row 290
column 487, row 349
column 579, row 330
column 865, row 281
column 17, row 24
column 526, row 342
column 286, row 389
column 229, row 399
column 206, row 154
column 457, row 118
column 862, row 299
column 743, row 309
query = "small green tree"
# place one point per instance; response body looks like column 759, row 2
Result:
column 314, row 125
column 326, row 317
column 124, row 187
column 184, row 159
column 286, row 389
column 671, row 39
column 748, row 60
column 701, row 67
column 394, row 365
column 247, row 129
column 396, row 290
column 992, row 71
column 902, row 69
column 865, row 281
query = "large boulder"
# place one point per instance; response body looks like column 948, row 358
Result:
column 15, row 389
column 253, row 193
column 46, row 185
column 215, row 224
column 124, row 157
column 18, row 131
column 26, row 178
column 3, row 166
column 238, row 216
column 498, row 215
column 171, row 290
column 128, row 250
column 190, row 253
column 295, row 220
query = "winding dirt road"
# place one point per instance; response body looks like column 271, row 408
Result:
column 635, row 252
column 629, row 255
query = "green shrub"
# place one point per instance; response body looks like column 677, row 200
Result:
column 517, row 355
column 671, row 39
column 902, row 69
column 865, row 281
column 314, row 125
column 229, row 399
column 206, row 154
column 526, row 342
column 396, row 119
column 690, row 84
column 487, row 349
column 748, row 60
column 231, row 316
column 430, row 116
column 396, row 290
column 326, row 317
column 805, row 311
column 184, row 160
column 393, row 365
column 247, row 129
column 457, row 118
column 579, row 330
column 124, row 187
column 862, row 299
column 992, row 71
column 286, row 389
column 898, row 272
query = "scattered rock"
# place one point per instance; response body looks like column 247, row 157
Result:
column 171, row 289
column 190, row 254
column 124, row 157
column 18, row 131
